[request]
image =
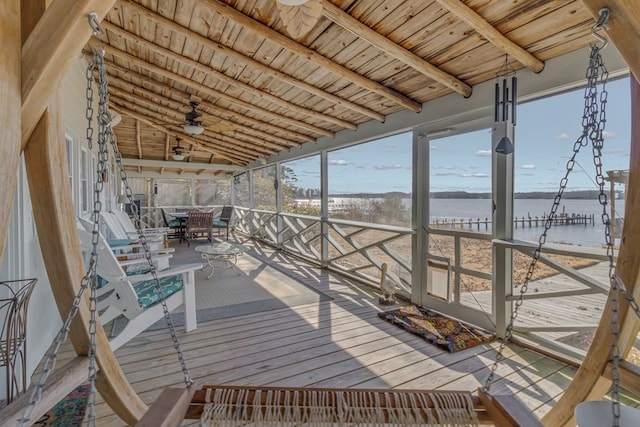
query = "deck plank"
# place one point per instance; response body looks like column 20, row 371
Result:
column 338, row 343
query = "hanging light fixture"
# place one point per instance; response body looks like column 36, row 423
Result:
column 193, row 129
column 178, row 157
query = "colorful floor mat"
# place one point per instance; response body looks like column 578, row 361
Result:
column 69, row 412
column 444, row 332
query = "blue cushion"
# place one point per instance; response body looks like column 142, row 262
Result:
column 218, row 223
column 174, row 223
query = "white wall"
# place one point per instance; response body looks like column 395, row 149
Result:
column 23, row 258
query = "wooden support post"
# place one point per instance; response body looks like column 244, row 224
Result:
column 9, row 111
column 46, row 160
column 589, row 382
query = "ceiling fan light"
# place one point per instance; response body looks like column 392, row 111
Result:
column 292, row 2
column 178, row 157
column 193, row 129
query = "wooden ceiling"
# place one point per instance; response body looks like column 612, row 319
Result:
column 262, row 91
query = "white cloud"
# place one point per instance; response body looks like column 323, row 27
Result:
column 528, row 167
column 483, row 153
column 474, row 175
column 433, row 147
column 338, row 162
column 389, row 167
column 562, row 137
column 608, row 135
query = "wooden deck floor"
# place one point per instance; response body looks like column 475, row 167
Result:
column 330, row 343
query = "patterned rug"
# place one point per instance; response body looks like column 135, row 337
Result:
column 69, row 412
column 444, row 332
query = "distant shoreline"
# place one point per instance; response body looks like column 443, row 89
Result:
column 538, row 195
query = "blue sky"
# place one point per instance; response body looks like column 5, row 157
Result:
column 546, row 131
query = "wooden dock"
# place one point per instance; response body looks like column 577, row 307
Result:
column 480, row 224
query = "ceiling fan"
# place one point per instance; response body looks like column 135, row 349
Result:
column 180, row 153
column 192, row 125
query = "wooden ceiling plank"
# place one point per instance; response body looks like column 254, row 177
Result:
column 356, row 27
column 212, row 73
column 55, row 41
column 311, row 55
column 197, row 87
column 276, row 142
column 493, row 36
column 220, row 112
column 136, row 115
column 149, row 106
column 237, row 56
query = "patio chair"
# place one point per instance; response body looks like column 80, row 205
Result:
column 198, row 223
column 122, row 217
column 134, row 296
column 224, row 220
column 174, row 225
column 154, row 237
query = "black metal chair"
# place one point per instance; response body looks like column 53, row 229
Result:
column 175, row 226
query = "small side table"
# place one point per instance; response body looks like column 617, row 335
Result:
column 225, row 253
column 14, row 302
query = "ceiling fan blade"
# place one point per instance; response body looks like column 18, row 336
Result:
column 299, row 20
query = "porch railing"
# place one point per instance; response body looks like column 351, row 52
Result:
column 560, row 310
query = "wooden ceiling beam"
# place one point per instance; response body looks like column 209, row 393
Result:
column 55, row 41
column 310, row 55
column 167, row 145
column 252, row 63
column 153, row 109
column 220, row 112
column 493, row 36
column 201, row 87
column 162, row 164
column 215, row 74
column 277, row 143
column 349, row 23
column 138, row 142
column 135, row 115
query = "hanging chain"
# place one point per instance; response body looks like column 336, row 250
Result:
column 110, row 136
column 90, row 280
column 591, row 127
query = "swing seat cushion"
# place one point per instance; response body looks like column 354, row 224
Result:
column 146, row 290
column 219, row 223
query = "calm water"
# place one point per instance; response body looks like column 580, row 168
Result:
column 588, row 235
